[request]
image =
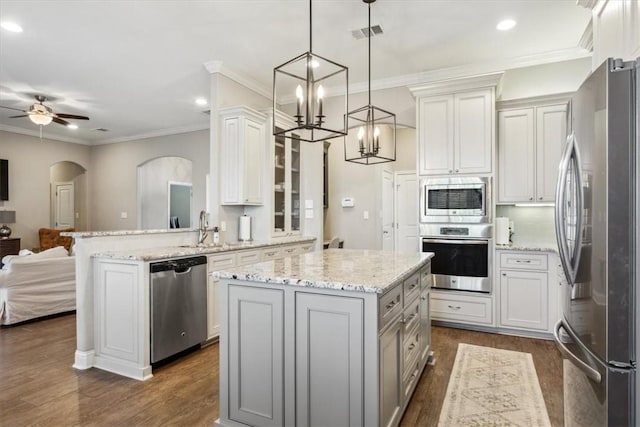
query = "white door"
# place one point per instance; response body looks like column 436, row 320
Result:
column 387, row 211
column 64, row 205
column 406, row 211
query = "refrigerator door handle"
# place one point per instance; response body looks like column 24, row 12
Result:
column 560, row 200
column 577, row 249
column 586, row 369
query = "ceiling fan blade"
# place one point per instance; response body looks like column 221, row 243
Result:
column 22, row 115
column 71, row 116
column 60, row 121
column 11, row 108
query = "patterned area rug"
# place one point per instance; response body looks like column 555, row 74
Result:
column 491, row 387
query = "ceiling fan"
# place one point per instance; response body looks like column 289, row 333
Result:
column 42, row 115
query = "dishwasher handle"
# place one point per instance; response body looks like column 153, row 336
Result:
column 180, row 265
column 182, row 270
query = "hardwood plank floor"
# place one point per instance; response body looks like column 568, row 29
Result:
column 39, row 386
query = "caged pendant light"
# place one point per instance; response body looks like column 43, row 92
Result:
column 307, row 80
column 375, row 140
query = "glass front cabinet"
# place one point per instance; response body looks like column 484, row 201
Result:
column 286, row 182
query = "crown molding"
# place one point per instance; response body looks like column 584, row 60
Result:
column 217, row 67
column 155, row 134
column 457, row 84
column 45, row 135
column 242, row 110
column 587, row 4
column 586, row 40
column 542, row 100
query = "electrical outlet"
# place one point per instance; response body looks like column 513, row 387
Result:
column 77, row 215
column 123, row 215
column 223, row 225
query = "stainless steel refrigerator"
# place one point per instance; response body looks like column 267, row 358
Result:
column 596, row 215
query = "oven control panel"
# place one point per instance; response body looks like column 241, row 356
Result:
column 454, row 231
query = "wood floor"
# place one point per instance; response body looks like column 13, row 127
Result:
column 38, row 386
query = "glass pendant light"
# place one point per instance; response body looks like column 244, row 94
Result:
column 301, row 87
column 375, row 140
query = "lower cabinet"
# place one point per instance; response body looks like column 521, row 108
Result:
column 256, row 345
column 462, row 307
column 317, row 357
column 527, row 296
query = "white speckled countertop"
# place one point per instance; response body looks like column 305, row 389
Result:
column 337, row 269
column 549, row 247
column 82, row 234
column 152, row 254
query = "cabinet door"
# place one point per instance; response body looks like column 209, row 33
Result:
column 256, row 354
column 473, row 135
column 435, row 135
column 253, row 161
column 551, row 133
column 329, row 360
column 523, row 299
column 232, row 158
column 391, row 391
column 516, row 155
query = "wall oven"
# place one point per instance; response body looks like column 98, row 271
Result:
column 455, row 200
column 463, row 255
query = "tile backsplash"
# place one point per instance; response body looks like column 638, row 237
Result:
column 532, row 225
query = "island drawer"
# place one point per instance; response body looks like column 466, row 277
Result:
column 461, row 308
column 389, row 305
column 411, row 350
column 426, row 278
column 249, row 257
column 410, row 379
column 411, row 316
column 411, row 287
column 289, row 250
column 523, row 261
column 305, row 247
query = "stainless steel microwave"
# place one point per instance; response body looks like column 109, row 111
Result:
column 455, row 199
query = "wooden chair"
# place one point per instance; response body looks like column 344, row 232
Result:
column 50, row 238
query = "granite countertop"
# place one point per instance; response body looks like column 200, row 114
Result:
column 82, row 234
column 153, row 254
column 337, row 269
column 533, row 247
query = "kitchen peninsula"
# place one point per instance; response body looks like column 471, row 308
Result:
column 334, row 337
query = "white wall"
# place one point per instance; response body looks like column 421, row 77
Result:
column 115, row 168
column 29, row 161
column 532, row 225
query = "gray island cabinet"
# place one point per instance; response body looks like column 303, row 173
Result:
column 328, row 338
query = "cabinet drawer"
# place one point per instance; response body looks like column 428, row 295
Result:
column 426, row 278
column 305, row 247
column 249, row 257
column 411, row 350
column 461, row 308
column 271, row 253
column 289, row 250
column 220, row 262
column 389, row 305
column 411, row 288
column 523, row 261
column 411, row 316
column 410, row 380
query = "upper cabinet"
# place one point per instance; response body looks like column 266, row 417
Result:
column 616, row 29
column 242, row 156
column 530, row 141
column 456, row 126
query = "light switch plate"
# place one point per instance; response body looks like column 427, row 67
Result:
column 308, row 204
column 223, row 225
column 308, row 213
column 365, row 214
column 123, row 215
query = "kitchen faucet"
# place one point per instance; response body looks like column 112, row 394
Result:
column 202, row 229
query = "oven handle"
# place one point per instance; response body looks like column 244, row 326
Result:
column 459, row 242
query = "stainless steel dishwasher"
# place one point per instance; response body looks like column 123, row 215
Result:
column 178, row 305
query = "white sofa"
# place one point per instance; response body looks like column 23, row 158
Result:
column 37, row 285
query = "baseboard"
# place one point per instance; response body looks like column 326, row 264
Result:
column 84, row 359
column 122, row 368
column 494, row 330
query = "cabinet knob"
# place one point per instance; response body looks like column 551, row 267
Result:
column 457, row 170
column 530, row 198
column 539, row 198
column 450, row 170
column 504, row 274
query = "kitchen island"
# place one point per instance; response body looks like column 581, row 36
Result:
column 328, row 338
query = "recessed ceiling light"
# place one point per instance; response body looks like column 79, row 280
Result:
column 72, row 126
column 11, row 26
column 506, row 24
column 201, row 101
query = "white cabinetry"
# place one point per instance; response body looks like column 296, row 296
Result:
column 462, row 307
column 242, row 156
column 530, row 142
column 616, row 30
column 456, row 133
column 527, row 291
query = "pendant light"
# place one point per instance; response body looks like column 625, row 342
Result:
column 302, row 86
column 375, row 140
